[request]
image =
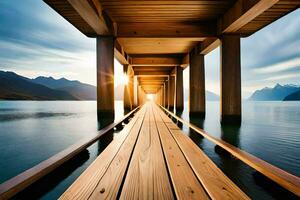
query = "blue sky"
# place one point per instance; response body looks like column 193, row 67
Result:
column 35, row 40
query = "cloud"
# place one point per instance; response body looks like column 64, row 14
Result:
column 279, row 67
column 283, row 77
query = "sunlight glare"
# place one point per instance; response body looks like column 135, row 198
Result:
column 150, row 97
column 125, row 79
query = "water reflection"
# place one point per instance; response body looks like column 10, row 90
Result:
column 199, row 122
column 103, row 121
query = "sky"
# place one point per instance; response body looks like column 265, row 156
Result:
column 36, row 41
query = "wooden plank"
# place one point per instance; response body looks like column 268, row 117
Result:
column 83, row 187
column 109, row 185
column 185, row 183
column 147, row 176
column 216, row 183
column 281, row 177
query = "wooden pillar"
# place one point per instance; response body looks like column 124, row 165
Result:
column 197, row 84
column 179, row 89
column 105, row 74
column 128, row 97
column 171, row 92
column 167, row 94
column 135, row 92
column 230, row 79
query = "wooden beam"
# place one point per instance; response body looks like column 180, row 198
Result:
column 241, row 13
column 152, row 73
column 208, row 45
column 156, row 60
column 170, row 29
column 120, row 54
column 91, row 16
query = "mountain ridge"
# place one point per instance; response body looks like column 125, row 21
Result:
column 277, row 93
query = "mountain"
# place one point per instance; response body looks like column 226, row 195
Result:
column 277, row 93
column 77, row 89
column 210, row 96
column 295, row 96
column 15, row 87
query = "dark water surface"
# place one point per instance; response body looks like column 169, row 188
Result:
column 31, row 132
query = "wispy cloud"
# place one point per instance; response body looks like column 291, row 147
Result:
column 279, row 67
column 283, row 77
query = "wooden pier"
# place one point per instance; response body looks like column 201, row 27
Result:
column 155, row 41
column 153, row 159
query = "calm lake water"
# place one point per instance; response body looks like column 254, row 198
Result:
column 32, row 131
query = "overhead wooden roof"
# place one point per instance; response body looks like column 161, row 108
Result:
column 162, row 33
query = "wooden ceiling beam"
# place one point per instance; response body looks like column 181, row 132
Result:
column 120, row 54
column 156, row 60
column 208, row 45
column 241, row 13
column 165, row 30
column 152, row 73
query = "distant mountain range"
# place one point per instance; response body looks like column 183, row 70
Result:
column 16, row 87
column 277, row 93
column 80, row 91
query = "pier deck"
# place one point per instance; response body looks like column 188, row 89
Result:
column 153, row 159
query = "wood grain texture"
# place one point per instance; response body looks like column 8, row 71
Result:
column 147, row 176
column 83, row 187
column 109, row 185
column 185, row 183
column 279, row 176
column 216, row 183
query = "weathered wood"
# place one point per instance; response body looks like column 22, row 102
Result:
column 20, row 182
column 105, row 75
column 230, row 79
column 179, row 89
column 197, row 84
column 147, row 176
column 87, row 182
column 185, row 183
column 279, row 176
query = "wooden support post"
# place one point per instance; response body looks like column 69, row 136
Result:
column 128, row 97
column 105, row 74
column 171, row 92
column 167, row 94
column 230, row 79
column 179, row 88
column 197, row 84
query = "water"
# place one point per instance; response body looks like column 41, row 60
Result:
column 31, row 132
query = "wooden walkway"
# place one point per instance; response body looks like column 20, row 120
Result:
column 153, row 159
